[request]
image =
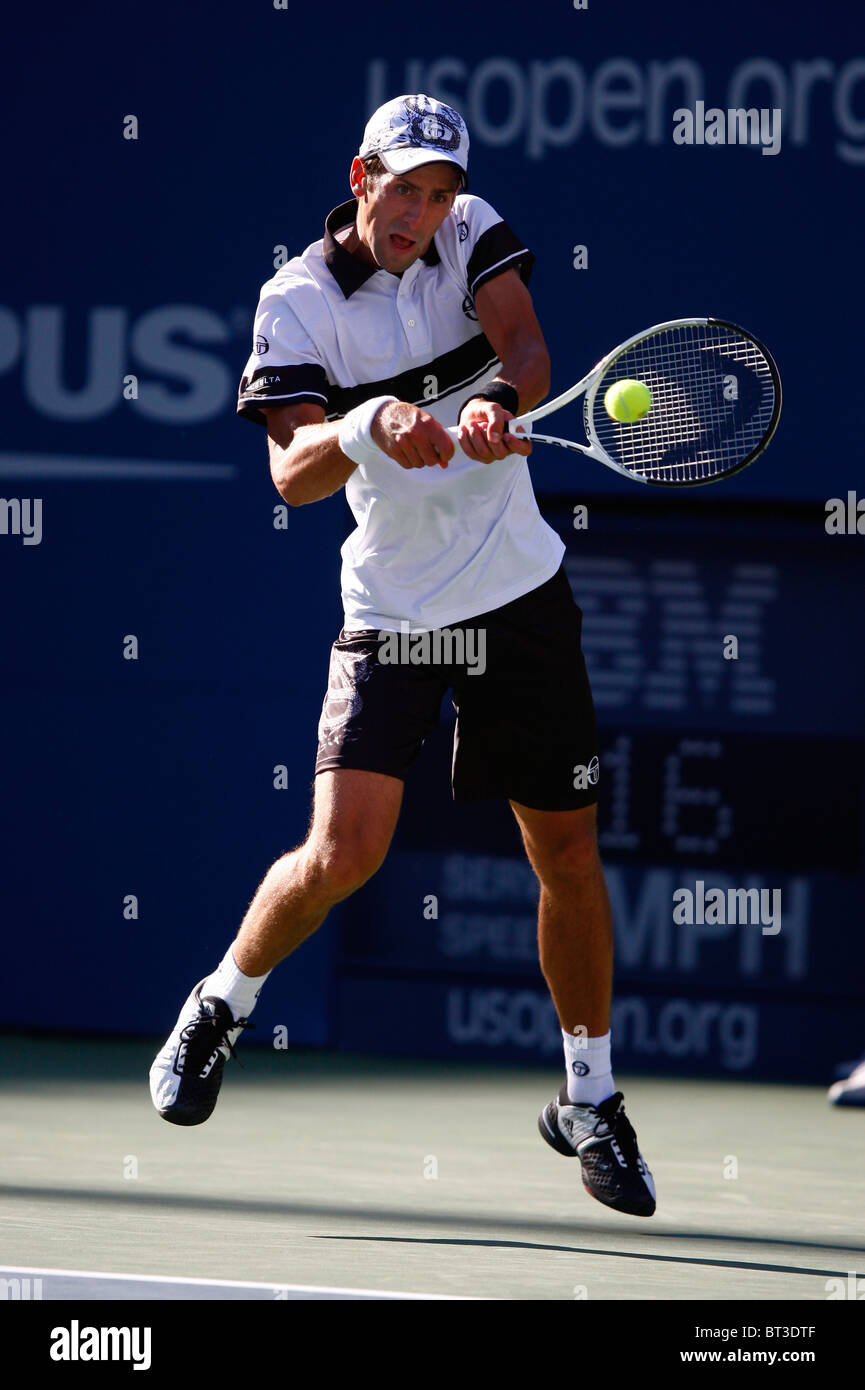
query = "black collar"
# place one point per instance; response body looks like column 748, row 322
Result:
column 348, row 270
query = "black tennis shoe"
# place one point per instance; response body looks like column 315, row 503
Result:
column 602, row 1137
column 186, row 1075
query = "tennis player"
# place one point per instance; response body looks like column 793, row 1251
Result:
column 412, row 314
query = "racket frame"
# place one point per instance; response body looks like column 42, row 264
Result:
column 523, row 425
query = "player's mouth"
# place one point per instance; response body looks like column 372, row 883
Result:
column 401, row 243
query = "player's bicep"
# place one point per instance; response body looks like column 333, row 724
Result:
column 507, row 315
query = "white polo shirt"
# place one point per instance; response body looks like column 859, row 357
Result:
column 432, row 546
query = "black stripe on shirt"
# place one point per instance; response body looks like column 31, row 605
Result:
column 282, row 386
column 433, row 381
column 497, row 250
column 451, row 371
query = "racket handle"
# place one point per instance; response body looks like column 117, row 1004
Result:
column 520, row 425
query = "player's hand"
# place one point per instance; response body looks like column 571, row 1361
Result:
column 482, row 433
column 411, row 437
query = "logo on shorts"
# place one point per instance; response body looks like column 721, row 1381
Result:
column 580, row 1068
column 585, row 777
column 343, row 700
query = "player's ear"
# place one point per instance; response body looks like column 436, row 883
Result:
column 357, row 177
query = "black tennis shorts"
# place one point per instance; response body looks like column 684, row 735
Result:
column 525, row 716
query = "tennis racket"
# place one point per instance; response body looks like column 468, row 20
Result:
column 716, row 402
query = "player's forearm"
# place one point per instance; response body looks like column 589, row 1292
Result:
column 311, row 467
column 526, row 367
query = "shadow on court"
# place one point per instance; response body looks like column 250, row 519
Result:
column 313, row 1171
column 334, row 1212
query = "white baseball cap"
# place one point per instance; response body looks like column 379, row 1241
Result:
column 413, row 130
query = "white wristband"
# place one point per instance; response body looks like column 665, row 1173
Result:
column 355, row 437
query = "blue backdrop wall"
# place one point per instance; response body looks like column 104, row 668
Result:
column 142, row 799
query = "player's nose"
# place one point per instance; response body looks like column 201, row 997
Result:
column 413, row 216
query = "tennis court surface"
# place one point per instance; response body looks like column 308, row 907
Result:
column 327, row 1176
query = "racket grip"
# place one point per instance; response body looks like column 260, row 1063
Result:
column 519, row 425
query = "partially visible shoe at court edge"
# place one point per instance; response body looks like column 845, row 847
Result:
column 602, row 1137
column 186, row 1075
column 850, row 1091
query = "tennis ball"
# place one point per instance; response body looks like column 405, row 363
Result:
column 627, row 401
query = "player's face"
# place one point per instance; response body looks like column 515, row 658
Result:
column 399, row 214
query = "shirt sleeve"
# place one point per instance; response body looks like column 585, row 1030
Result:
column 487, row 245
column 284, row 367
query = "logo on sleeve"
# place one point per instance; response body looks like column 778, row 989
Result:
column 462, row 230
column 469, row 308
column 261, row 345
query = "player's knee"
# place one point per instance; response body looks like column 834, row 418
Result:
column 569, row 856
column 342, row 867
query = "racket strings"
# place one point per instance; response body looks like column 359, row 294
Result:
column 713, row 400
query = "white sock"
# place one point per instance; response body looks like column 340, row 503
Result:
column 238, row 990
column 587, row 1063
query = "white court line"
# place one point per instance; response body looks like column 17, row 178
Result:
column 60, row 466
column 96, row 1285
